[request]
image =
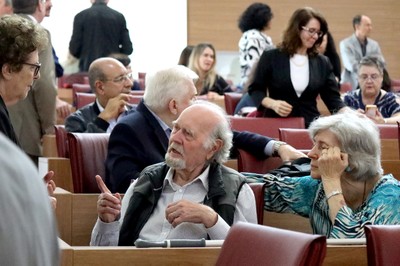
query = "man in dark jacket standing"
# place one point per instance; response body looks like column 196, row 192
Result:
column 97, row 32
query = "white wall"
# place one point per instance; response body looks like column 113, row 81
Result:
column 158, row 29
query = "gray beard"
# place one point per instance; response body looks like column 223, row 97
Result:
column 175, row 163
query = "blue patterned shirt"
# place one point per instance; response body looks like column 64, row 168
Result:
column 387, row 105
column 305, row 196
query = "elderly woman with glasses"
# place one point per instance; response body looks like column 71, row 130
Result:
column 370, row 98
column 346, row 188
column 289, row 78
column 20, row 43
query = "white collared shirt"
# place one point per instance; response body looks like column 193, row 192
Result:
column 158, row 228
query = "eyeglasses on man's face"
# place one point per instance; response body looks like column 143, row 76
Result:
column 365, row 77
column 36, row 68
column 312, row 31
column 121, row 79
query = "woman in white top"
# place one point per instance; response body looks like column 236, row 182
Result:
column 294, row 74
column 254, row 23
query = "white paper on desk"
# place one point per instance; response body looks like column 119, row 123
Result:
column 346, row 241
column 214, row 243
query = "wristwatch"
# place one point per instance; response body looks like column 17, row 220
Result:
column 277, row 145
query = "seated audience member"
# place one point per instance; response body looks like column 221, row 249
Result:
column 141, row 138
column 111, row 82
column 347, row 188
column 328, row 48
column 126, row 61
column 28, row 230
column 370, row 77
column 189, row 196
column 202, row 60
column 185, row 55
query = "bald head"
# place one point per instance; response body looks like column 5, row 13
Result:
column 102, row 68
column 210, row 119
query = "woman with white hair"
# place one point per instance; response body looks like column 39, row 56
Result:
column 346, row 189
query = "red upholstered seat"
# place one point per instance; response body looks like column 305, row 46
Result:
column 388, row 131
column 61, row 141
column 266, row 126
column 249, row 163
column 88, row 152
column 83, row 99
column 383, row 244
column 231, row 99
column 299, row 138
column 253, row 244
column 258, row 190
column 67, row 80
column 345, row 87
column 79, row 88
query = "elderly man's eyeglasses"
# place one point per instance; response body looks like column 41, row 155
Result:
column 35, row 66
column 312, row 31
column 373, row 77
column 121, row 78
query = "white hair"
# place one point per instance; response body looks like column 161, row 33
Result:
column 167, row 84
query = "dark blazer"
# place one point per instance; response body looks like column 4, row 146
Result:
column 86, row 120
column 273, row 73
column 97, row 32
column 138, row 141
column 5, row 124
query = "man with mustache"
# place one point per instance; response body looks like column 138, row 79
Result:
column 191, row 195
column 141, row 138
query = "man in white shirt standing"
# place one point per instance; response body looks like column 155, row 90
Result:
column 355, row 47
column 195, row 195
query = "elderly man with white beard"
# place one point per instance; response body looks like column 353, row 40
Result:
column 191, row 195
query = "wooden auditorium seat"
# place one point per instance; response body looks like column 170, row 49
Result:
column 231, row 100
column 135, row 99
column 142, row 80
column 258, row 190
column 61, row 141
column 253, row 244
column 248, row 163
column 67, row 80
column 388, row 131
column 299, row 138
column 266, row 126
column 395, row 85
column 83, row 98
column 77, row 88
column 383, row 244
column 88, row 152
column 137, row 93
column 345, row 87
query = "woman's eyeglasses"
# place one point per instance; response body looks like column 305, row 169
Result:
column 36, row 67
column 312, row 31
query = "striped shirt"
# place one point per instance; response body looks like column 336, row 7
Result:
column 387, row 104
column 305, row 196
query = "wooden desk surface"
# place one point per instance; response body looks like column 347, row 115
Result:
column 82, row 256
column 390, row 149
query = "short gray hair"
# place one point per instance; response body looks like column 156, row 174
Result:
column 167, row 84
column 222, row 131
column 358, row 137
column 372, row 61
